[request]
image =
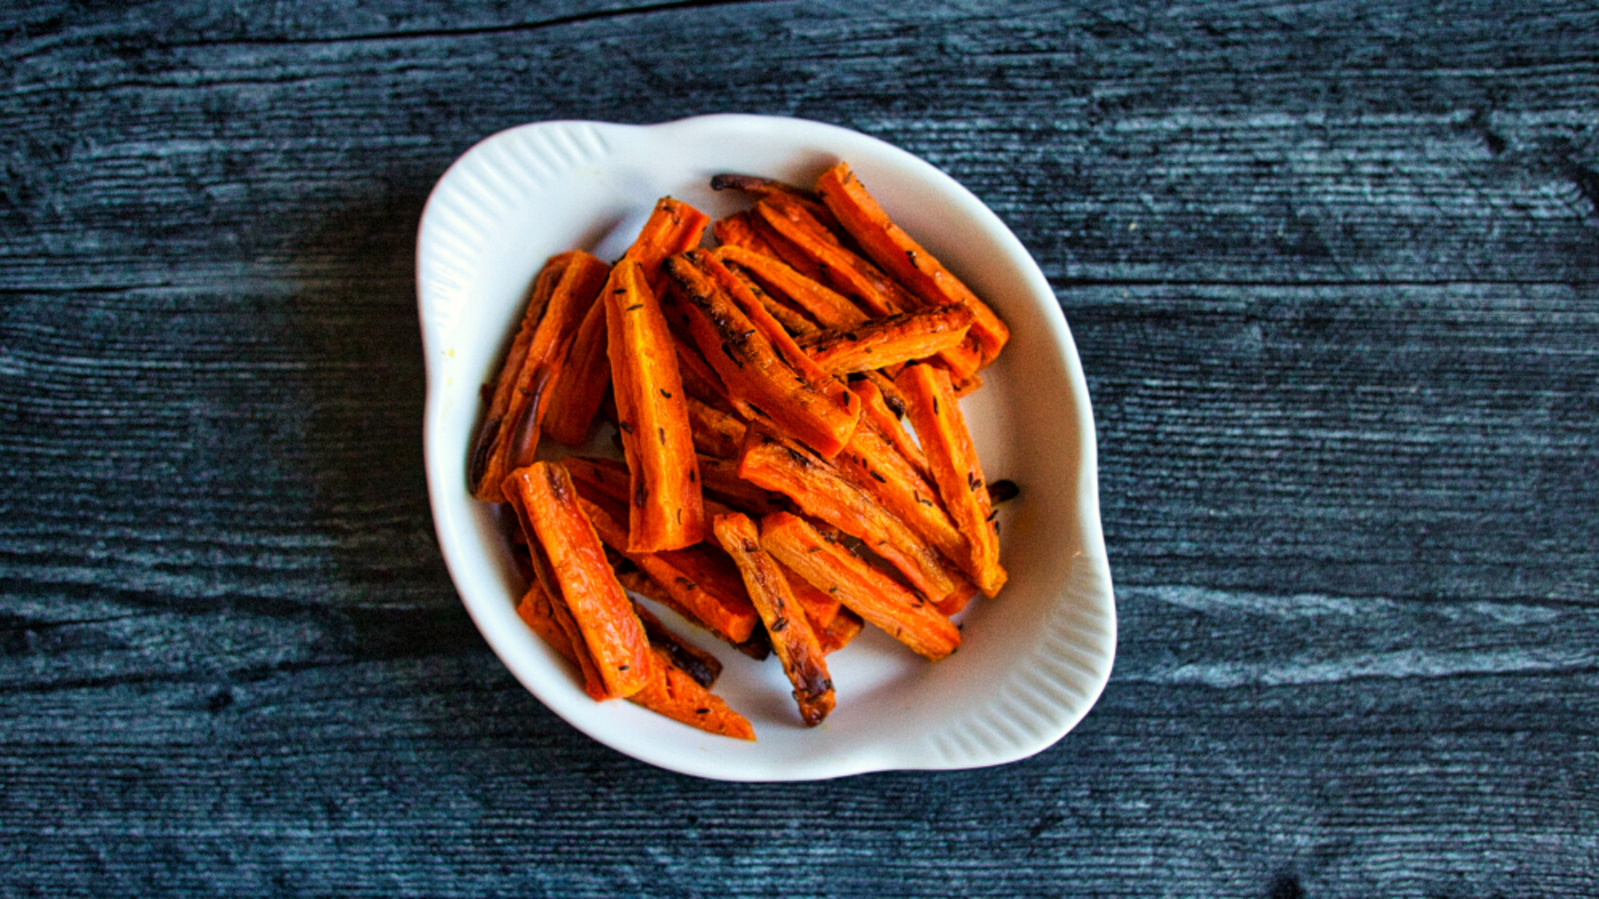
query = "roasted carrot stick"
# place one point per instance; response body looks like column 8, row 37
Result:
column 553, row 622
column 793, row 640
column 704, row 587
column 673, row 691
column 887, row 341
column 844, row 627
column 577, row 393
column 819, row 490
column 902, row 257
column 665, row 512
column 720, row 479
column 843, row 270
column 874, row 596
column 782, row 342
column 571, row 563
column 793, row 319
column 690, row 659
column 672, row 228
column 820, row 607
column 637, row 580
column 830, row 308
column 606, row 477
column 941, row 427
column 749, row 366
column 879, row 415
column 765, row 187
column 716, row 433
column 510, row 432
column 873, row 464
column 675, row 694
column 738, row 230
column 853, row 275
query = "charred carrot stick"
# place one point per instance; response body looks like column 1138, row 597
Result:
column 887, row 341
column 652, row 414
column 793, row 640
column 510, row 432
column 676, row 691
column 781, row 247
column 577, row 393
column 749, row 366
column 636, row 580
column 876, row 597
column 876, row 466
column 765, row 187
column 782, row 342
column 903, row 258
column 571, row 563
column 941, row 427
column 685, row 656
column 819, row 490
column 830, row 308
column 704, row 587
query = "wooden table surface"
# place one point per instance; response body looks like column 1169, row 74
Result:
column 1334, row 273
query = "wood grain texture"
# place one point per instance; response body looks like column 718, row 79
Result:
column 1333, row 269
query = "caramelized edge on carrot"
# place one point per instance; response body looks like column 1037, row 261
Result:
column 819, row 490
column 887, row 341
column 549, row 507
column 793, row 640
column 869, row 593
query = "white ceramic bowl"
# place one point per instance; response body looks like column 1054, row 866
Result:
column 1033, row 660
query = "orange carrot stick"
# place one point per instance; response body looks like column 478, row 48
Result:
column 829, row 307
column 887, row 341
column 782, row 342
column 672, row 228
column 577, row 393
column 510, row 432
column 750, row 367
column 874, row 596
column 936, row 415
column 571, row 564
column 793, row 640
column 877, row 414
column 673, row 691
column 902, row 257
column 666, row 511
column 704, row 587
column 716, row 433
column 819, row 490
